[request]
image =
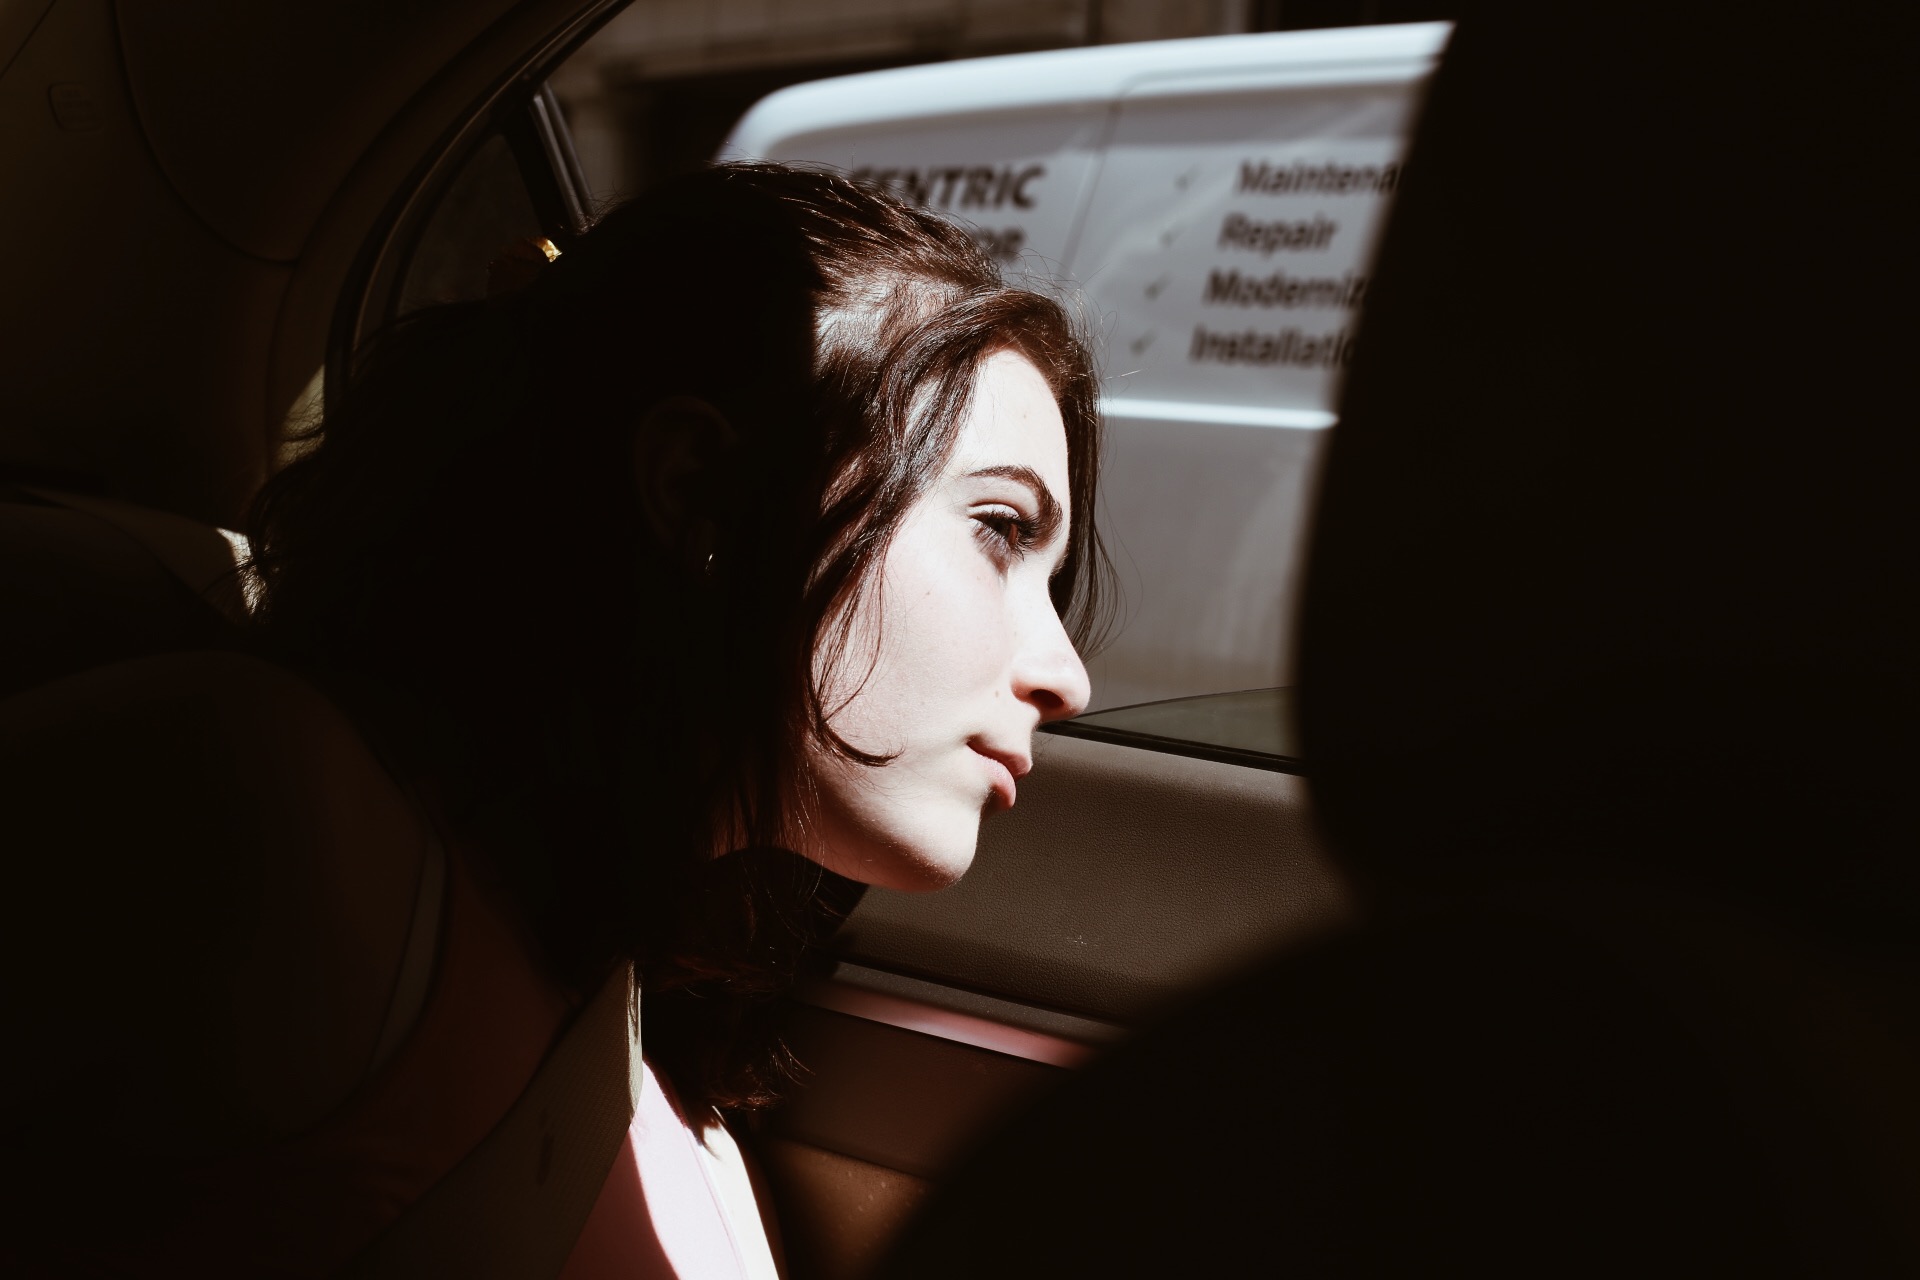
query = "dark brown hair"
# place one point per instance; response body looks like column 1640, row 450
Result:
column 461, row 557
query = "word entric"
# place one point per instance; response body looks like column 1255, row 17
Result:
column 1304, row 236
column 959, row 187
column 1257, row 177
column 1231, row 289
column 1289, row 346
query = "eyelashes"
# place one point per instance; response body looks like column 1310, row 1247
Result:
column 1005, row 534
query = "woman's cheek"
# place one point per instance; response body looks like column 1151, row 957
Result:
column 975, row 630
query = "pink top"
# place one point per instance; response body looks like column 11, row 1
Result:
column 664, row 1211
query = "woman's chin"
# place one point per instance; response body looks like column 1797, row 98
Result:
column 928, row 876
column 905, row 868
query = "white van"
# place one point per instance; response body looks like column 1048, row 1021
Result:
column 1216, row 201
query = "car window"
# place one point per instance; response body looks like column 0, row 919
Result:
column 484, row 208
column 513, row 187
column 1209, row 208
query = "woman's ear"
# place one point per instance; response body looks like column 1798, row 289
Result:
column 683, row 468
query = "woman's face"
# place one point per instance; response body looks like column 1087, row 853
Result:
column 967, row 653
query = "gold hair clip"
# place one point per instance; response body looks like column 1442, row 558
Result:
column 518, row 264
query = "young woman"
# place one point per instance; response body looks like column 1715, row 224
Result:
column 727, row 566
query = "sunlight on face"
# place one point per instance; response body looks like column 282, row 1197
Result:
column 968, row 655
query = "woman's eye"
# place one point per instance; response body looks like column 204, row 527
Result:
column 1006, row 533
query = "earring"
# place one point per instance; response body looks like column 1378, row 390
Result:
column 696, row 549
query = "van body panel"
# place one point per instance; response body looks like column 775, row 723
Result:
column 1226, row 248
column 1205, row 523
column 1217, row 213
column 902, row 96
column 1018, row 179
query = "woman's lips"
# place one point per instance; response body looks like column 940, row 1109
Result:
column 1002, row 771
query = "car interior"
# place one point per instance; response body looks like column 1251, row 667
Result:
column 201, row 241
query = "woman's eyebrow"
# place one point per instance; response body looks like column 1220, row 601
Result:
column 1049, row 515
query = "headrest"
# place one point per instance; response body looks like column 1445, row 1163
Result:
column 85, row 581
column 1614, row 556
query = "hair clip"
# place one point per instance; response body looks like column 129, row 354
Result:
column 518, row 264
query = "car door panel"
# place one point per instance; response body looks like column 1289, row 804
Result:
column 1124, row 877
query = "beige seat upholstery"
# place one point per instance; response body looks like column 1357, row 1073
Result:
column 211, row 886
column 212, row 879
column 86, row 581
column 223, row 912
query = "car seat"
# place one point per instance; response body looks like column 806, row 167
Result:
column 90, row 587
column 116, row 617
column 86, row 580
column 1608, row 697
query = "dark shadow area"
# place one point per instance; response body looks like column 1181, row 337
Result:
column 675, row 125
column 1298, row 15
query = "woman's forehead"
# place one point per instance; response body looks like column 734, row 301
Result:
column 1013, row 420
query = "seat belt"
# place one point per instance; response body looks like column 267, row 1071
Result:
column 513, row 1208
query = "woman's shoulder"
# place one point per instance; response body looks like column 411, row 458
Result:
column 208, row 838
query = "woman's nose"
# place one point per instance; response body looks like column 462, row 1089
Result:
column 1048, row 672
